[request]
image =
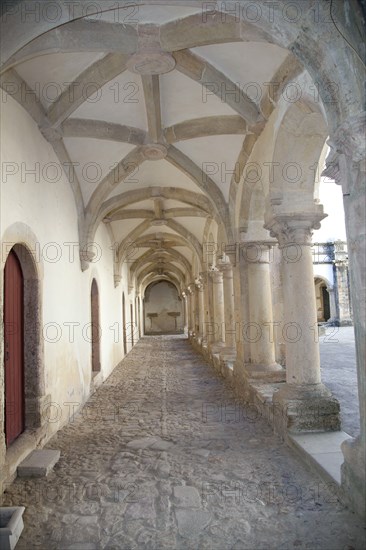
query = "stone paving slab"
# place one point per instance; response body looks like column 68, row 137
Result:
column 186, row 497
column 182, row 465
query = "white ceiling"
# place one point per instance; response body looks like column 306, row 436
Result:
column 160, row 173
column 184, row 99
column 122, row 101
column 51, row 74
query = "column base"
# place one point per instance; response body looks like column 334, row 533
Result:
column 336, row 322
column 272, row 373
column 227, row 360
column 300, row 408
column 228, row 354
column 353, row 474
column 216, row 347
column 345, row 323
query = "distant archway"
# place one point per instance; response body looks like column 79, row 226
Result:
column 322, row 300
column 163, row 309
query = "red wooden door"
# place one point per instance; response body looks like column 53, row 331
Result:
column 95, row 327
column 132, row 325
column 14, row 352
column 124, row 325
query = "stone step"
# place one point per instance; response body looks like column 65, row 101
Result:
column 38, row 463
column 322, row 452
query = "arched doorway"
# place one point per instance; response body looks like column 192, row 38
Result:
column 163, row 311
column 139, row 316
column 14, row 348
column 23, row 393
column 94, row 295
column 322, row 300
column 132, row 324
column 124, row 335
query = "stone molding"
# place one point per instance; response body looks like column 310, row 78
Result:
column 349, row 138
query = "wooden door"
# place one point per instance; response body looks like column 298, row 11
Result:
column 14, row 349
column 124, row 324
column 132, row 324
column 95, row 327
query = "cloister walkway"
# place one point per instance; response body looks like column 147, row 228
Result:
column 164, row 457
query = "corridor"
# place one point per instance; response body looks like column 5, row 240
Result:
column 163, row 457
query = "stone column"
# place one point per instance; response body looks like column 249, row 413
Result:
column 332, row 306
column 229, row 332
column 262, row 348
column 242, row 317
column 191, row 309
column 210, row 331
column 342, row 284
column 204, row 299
column 218, row 308
column 185, row 299
column 138, row 314
column 242, row 306
column 346, row 164
column 303, row 403
column 277, row 302
column 201, row 307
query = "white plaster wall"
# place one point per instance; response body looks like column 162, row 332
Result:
column 49, row 210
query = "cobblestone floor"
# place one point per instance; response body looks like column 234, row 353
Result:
column 163, row 457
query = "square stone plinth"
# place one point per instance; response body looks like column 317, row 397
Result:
column 11, row 526
column 38, row 463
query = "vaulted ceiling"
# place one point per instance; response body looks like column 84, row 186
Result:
column 158, row 109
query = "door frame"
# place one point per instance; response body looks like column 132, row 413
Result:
column 34, row 375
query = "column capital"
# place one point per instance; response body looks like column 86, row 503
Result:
column 216, row 274
column 117, row 279
column 203, row 276
column 231, row 251
column 294, row 229
column 224, row 265
column 347, row 146
column 199, row 283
